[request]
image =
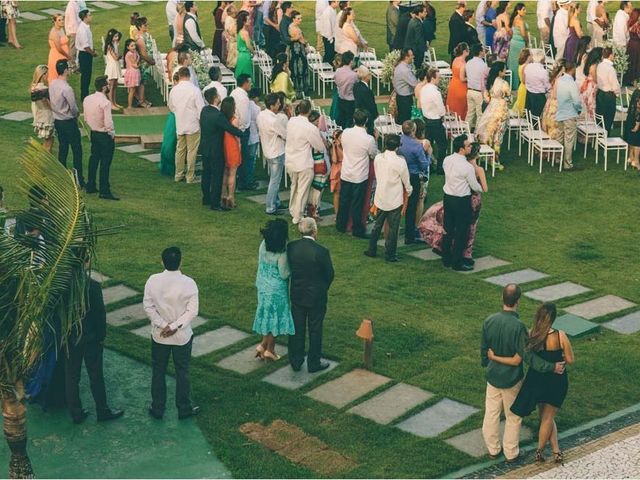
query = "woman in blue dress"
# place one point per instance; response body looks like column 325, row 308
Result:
column 273, row 315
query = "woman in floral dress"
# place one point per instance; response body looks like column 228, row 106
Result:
column 502, row 38
column 298, row 63
column 548, row 120
column 589, row 87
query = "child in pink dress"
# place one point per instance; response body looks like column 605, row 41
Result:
column 132, row 70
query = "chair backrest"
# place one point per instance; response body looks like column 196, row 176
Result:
column 534, row 122
column 487, row 49
column 548, row 51
column 600, row 124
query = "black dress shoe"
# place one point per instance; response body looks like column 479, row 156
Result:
column 318, row 368
column 392, row 260
column 296, row 368
column 369, row 254
column 446, row 262
column 276, row 213
column 108, row 196
column 155, row 414
column 468, row 261
column 80, row 418
column 110, row 414
column 91, row 190
column 463, row 268
column 220, row 209
column 191, row 413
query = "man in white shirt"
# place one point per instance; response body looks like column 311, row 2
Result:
column 191, row 30
column 273, row 135
column 243, row 111
column 459, row 180
column 561, row 27
column 621, row 24
column 186, row 102
column 302, row 137
column 393, row 188
column 215, row 75
column 326, row 25
column 477, row 72
column 480, row 14
column 358, row 149
column 171, row 10
column 171, row 303
column 86, row 53
column 591, row 15
column 433, row 111
column 544, row 13
column 608, row 88
column 71, row 22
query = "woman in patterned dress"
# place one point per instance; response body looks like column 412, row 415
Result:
column 41, row 108
column 589, row 87
column 298, row 63
column 230, row 36
column 11, row 13
column 502, row 38
column 145, row 49
column 548, row 120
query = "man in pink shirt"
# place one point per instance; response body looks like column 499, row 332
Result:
column 71, row 21
column 97, row 114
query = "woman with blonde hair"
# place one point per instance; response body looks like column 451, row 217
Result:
column 575, row 34
column 41, row 108
column 178, row 25
column 548, row 120
column 58, row 46
column 548, row 390
column 521, row 98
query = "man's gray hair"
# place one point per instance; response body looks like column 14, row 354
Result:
column 363, row 72
column 307, row 226
column 538, row 56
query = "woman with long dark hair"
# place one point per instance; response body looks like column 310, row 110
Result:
column 519, row 41
column 217, row 13
column 548, row 390
column 632, row 75
column 281, row 78
column 493, row 122
column 244, row 46
column 298, row 63
column 502, row 37
column 575, row 34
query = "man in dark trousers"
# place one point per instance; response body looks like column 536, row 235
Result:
column 401, row 29
column 311, row 276
column 86, row 53
column 415, row 35
column 213, row 124
column 457, row 28
column 87, row 342
column 364, row 97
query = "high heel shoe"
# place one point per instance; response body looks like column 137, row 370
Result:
column 558, row 457
column 539, row 456
column 259, row 351
column 273, row 356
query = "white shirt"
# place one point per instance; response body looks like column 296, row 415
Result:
column 193, row 30
column 338, row 33
column 243, row 110
column 431, row 102
column 186, row 102
column 71, row 18
column 273, row 133
column 171, row 9
column 171, row 298
column 392, row 179
column 544, row 10
column 477, row 72
column 358, row 147
column 459, row 176
column 327, row 23
column 253, row 126
column 621, row 28
column 220, row 88
column 561, row 28
column 302, row 136
column 321, row 6
column 591, row 10
column 607, row 77
column 84, row 37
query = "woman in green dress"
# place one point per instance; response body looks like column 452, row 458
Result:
column 245, row 47
column 519, row 41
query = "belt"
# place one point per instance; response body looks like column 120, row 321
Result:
column 433, row 119
column 474, row 90
column 606, row 92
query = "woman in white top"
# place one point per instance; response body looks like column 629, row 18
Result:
column 112, row 64
column 349, row 32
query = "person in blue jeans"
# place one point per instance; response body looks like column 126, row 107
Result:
column 254, row 139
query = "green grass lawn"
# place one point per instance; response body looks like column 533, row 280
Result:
column 577, row 226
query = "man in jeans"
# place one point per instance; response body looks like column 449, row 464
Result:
column 506, row 336
column 569, row 107
column 272, row 128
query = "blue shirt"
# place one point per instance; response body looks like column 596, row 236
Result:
column 413, row 152
column 569, row 101
column 490, row 31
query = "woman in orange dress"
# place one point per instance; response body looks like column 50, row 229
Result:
column 58, row 46
column 232, row 157
column 457, row 93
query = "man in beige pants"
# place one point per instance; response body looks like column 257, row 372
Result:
column 506, row 336
column 476, row 71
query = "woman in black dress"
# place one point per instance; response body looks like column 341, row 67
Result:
column 632, row 129
column 547, row 391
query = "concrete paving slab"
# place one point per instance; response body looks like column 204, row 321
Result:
column 487, row 263
column 245, row 361
column 145, row 331
column 105, row 5
column 557, row 291
column 99, row 277
column 348, row 388
column 519, row 276
column 52, row 11
column 152, row 157
column 425, row 254
column 133, row 148
column 328, row 220
column 126, row 315
column 575, row 326
column 600, row 307
column 216, row 339
column 32, row 16
column 262, row 198
column 472, row 443
column 130, row 3
column 626, row 325
column 392, row 403
column 287, row 378
column 436, row 419
column 116, row 293
column 17, row 116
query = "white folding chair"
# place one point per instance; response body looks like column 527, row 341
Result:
column 532, row 132
column 607, row 143
column 516, row 124
column 543, row 144
column 326, row 77
column 589, row 130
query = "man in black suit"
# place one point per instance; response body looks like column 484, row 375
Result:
column 86, row 342
column 311, row 276
column 213, row 124
column 364, row 97
column 457, row 28
column 401, row 29
column 415, row 35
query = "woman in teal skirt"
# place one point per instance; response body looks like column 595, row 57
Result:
column 273, row 315
column 519, row 42
column 168, row 148
column 244, row 63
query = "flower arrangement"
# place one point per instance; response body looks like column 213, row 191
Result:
column 200, row 67
column 620, row 58
column 389, row 63
column 443, row 86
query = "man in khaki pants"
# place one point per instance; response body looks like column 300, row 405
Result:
column 477, row 72
column 506, row 336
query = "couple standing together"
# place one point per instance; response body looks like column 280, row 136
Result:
column 302, row 271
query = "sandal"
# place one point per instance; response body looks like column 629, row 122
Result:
column 539, row 456
column 559, row 457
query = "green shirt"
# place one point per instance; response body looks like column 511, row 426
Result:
column 506, row 335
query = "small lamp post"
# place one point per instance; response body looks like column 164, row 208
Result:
column 365, row 332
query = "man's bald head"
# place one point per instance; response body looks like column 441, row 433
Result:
column 511, row 295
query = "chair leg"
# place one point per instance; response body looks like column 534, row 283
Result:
column 541, row 159
column 586, row 142
column 597, row 152
column 561, row 158
column 606, row 154
column 493, row 165
column 626, row 158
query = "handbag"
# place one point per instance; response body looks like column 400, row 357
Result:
column 319, row 166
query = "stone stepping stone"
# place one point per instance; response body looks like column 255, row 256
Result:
column 575, row 326
column 287, row 378
column 436, row 419
column 487, row 263
column 348, row 388
column 392, row 403
column 556, row 292
column 245, row 361
column 18, row 116
column 131, row 3
column 626, row 325
column 105, row 5
column 99, row 277
column 145, row 331
column 134, row 148
column 117, row 293
column 216, row 339
column 600, row 307
column 32, row 16
column 126, row 315
column 52, row 11
column 327, row 221
column 519, row 276
column 262, row 198
column 425, row 254
column 472, row 443
column 153, row 157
